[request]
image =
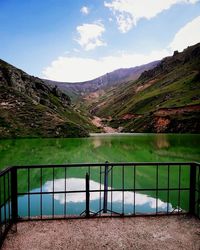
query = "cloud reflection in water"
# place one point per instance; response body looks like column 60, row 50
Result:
column 77, row 184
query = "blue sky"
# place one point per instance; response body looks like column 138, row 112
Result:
column 77, row 40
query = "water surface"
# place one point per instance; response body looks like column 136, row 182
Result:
column 101, row 148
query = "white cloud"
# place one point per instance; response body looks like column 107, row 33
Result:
column 187, row 35
column 85, row 10
column 65, row 68
column 90, row 35
column 129, row 12
column 76, row 69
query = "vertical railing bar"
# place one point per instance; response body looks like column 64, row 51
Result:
column 14, row 195
column 53, row 196
column 198, row 179
column 197, row 190
column 192, row 188
column 157, row 189
column 100, row 188
column 4, row 183
column 105, row 197
column 87, row 188
column 111, row 182
column 29, row 209
column 65, row 205
column 134, row 186
column 86, row 179
column 41, row 193
column 0, row 209
column 123, row 189
column 179, row 187
column 168, row 170
column 9, row 197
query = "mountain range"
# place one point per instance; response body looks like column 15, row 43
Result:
column 77, row 89
column 162, row 96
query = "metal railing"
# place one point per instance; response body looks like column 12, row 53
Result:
column 6, row 219
column 95, row 190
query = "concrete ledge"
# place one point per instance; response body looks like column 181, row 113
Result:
column 173, row 232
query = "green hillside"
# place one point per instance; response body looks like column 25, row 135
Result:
column 29, row 108
column 163, row 99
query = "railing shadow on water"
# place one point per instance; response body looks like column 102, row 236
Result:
column 42, row 192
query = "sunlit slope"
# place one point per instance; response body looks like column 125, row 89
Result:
column 163, row 99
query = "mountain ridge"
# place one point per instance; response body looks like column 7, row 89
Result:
column 105, row 81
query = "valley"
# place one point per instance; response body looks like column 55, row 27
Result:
column 159, row 97
column 163, row 97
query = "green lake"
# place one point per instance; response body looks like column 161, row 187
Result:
column 97, row 149
column 101, row 148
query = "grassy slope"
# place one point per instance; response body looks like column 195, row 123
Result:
column 176, row 83
column 22, row 116
column 29, row 120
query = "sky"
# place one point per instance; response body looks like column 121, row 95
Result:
column 79, row 40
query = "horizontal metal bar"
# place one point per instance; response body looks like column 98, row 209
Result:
column 74, row 217
column 4, row 171
column 109, row 164
column 109, row 190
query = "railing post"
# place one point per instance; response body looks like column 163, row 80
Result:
column 87, row 184
column 14, row 195
column 192, row 188
column 105, row 198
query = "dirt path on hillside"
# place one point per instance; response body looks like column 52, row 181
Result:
column 97, row 121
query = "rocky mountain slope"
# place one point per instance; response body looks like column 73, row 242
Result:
column 30, row 108
column 163, row 99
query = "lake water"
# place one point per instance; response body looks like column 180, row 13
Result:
column 100, row 148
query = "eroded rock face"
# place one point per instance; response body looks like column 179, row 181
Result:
column 30, row 108
column 29, row 85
